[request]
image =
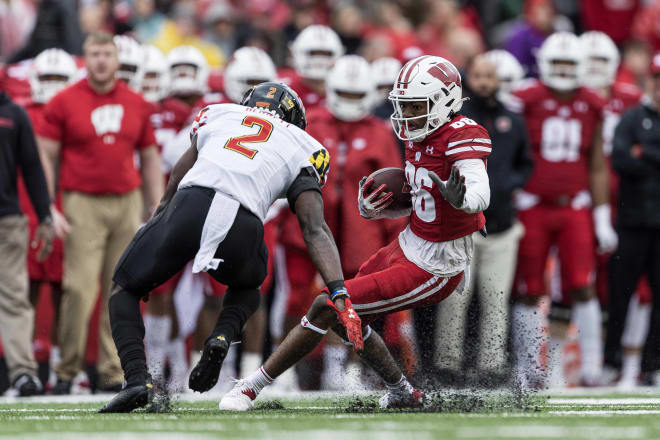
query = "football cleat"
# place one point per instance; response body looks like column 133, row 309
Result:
column 239, row 398
column 130, row 398
column 399, row 399
column 205, row 374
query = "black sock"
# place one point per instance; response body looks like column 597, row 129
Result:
column 237, row 308
column 128, row 334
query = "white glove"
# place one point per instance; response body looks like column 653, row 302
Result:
column 605, row 233
column 371, row 202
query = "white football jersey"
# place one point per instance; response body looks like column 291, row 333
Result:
column 251, row 155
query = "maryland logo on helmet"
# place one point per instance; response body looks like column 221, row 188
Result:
column 320, row 160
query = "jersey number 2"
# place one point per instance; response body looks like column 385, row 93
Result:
column 236, row 143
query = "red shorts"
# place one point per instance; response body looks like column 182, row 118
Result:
column 572, row 231
column 49, row 270
column 300, row 272
column 388, row 282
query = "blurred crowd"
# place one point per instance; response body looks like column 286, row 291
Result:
column 342, row 57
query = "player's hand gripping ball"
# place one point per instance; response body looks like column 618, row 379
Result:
column 384, row 189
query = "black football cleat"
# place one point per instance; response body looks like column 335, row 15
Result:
column 205, row 374
column 130, row 398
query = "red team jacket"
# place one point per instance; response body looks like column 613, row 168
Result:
column 356, row 149
column 561, row 135
column 433, row 218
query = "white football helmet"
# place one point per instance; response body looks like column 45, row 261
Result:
column 509, row 71
column 315, row 50
column 248, row 67
column 130, row 55
column 601, row 59
column 352, row 75
column 189, row 71
column 384, row 72
column 433, row 81
column 51, row 71
column 565, row 48
column 155, row 74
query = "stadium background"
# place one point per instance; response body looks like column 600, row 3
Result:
column 400, row 29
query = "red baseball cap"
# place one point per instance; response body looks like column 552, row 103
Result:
column 655, row 64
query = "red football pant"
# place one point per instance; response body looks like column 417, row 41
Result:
column 572, row 231
column 388, row 282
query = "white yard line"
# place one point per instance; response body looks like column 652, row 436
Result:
column 607, row 401
column 549, row 431
column 605, row 413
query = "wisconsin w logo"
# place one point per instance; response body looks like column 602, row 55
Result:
column 107, row 119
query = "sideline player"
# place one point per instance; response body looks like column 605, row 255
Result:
column 569, row 177
column 432, row 255
column 213, row 211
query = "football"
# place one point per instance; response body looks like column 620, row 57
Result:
column 395, row 180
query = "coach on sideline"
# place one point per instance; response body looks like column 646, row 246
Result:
column 93, row 129
column 636, row 157
column 494, row 260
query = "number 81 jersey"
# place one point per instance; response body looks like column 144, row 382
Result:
column 252, row 155
column 433, row 218
column 561, row 133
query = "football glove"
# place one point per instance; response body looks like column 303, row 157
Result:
column 351, row 322
column 372, row 202
column 605, row 233
column 453, row 190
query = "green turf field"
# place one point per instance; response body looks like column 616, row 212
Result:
column 470, row 416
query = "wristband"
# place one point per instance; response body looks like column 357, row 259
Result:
column 337, row 289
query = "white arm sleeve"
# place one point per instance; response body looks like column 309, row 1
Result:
column 477, row 194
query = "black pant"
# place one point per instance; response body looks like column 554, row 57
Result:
column 171, row 239
column 638, row 253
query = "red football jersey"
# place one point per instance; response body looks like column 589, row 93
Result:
column 561, row 135
column 433, row 218
column 16, row 82
column 356, row 149
column 309, row 97
column 99, row 134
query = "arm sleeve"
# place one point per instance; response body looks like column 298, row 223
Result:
column 53, row 122
column 477, row 194
column 33, row 173
column 306, row 181
column 624, row 139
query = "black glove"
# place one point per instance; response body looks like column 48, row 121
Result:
column 453, row 190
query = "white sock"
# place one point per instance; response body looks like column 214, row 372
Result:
column 528, row 338
column 402, row 385
column 176, row 353
column 157, row 335
column 258, row 380
column 249, row 362
column 631, row 367
column 334, row 359
column 587, row 318
column 637, row 323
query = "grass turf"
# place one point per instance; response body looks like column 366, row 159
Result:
column 473, row 416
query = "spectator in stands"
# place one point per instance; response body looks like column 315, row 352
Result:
column 527, row 37
column 56, row 26
column 645, row 26
column 93, row 129
column 349, row 24
column 391, row 24
column 19, row 151
column 636, row 156
column 448, row 33
column 148, row 21
column 635, row 62
column 613, row 18
column 494, row 261
column 220, row 26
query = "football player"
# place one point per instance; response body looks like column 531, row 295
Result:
column 51, row 71
column 569, row 177
column 213, row 212
column 131, row 58
column 509, row 71
column 430, row 259
column 602, row 63
column 384, row 70
column 359, row 143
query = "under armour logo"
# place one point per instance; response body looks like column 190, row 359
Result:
column 429, row 150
